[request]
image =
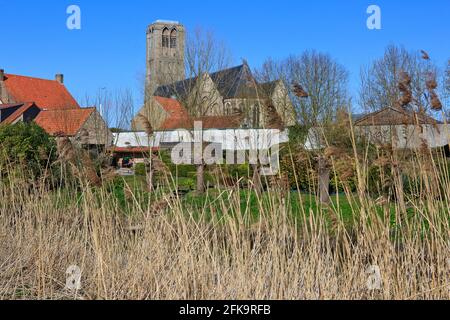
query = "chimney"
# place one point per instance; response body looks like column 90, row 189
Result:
column 60, row 78
column 2, row 75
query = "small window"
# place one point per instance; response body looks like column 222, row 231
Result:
column 228, row 109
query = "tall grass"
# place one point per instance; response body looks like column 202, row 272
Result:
column 160, row 248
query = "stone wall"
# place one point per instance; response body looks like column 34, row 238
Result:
column 94, row 132
column 165, row 65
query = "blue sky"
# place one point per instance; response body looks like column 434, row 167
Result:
column 109, row 50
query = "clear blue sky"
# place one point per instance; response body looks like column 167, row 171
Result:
column 109, row 50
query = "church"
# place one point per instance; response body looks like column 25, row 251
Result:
column 224, row 99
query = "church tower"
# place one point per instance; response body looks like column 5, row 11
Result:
column 165, row 54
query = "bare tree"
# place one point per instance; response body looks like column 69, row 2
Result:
column 204, row 57
column 317, row 85
column 380, row 81
column 116, row 107
column 447, row 78
column 321, row 78
column 446, row 88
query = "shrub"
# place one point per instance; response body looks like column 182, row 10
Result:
column 27, row 146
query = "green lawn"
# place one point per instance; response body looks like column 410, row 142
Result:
column 247, row 205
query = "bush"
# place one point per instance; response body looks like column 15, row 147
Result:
column 27, row 146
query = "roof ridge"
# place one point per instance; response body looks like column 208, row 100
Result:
column 28, row 77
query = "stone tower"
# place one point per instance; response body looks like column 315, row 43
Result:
column 165, row 54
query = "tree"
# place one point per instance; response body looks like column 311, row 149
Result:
column 318, row 87
column 116, row 107
column 447, row 87
column 380, row 81
column 447, row 78
column 321, row 78
column 27, row 146
column 204, row 55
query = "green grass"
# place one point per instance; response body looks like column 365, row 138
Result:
column 216, row 204
column 213, row 203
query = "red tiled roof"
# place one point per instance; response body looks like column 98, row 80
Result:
column 9, row 105
column 48, row 94
column 63, row 122
column 219, row 122
column 132, row 149
column 173, row 107
column 23, row 107
column 179, row 118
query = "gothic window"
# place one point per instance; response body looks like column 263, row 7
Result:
column 165, row 38
column 255, row 116
column 228, row 110
column 173, row 39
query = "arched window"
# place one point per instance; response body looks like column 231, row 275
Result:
column 255, row 116
column 173, row 39
column 165, row 38
column 228, row 110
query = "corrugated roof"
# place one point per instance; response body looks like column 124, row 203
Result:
column 48, row 94
column 63, row 122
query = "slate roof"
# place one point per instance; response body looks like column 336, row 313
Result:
column 22, row 107
column 236, row 82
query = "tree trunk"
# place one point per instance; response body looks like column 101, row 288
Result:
column 201, row 178
column 256, row 179
column 324, row 181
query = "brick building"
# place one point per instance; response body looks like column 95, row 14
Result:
column 52, row 107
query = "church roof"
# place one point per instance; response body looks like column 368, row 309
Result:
column 215, row 122
column 172, row 107
column 236, row 82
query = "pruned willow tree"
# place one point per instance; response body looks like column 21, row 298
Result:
column 406, row 81
column 317, row 87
